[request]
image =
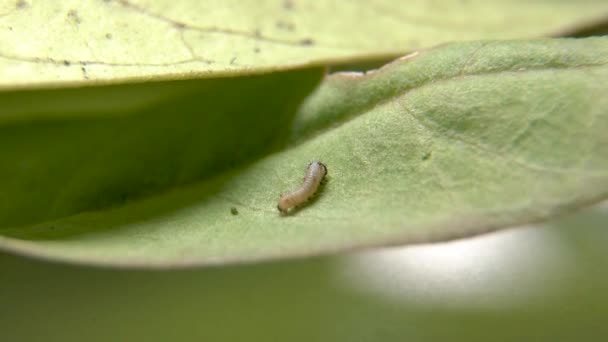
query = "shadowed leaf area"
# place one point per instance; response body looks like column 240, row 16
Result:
column 449, row 142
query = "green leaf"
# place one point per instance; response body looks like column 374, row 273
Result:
column 65, row 151
column 452, row 142
column 72, row 41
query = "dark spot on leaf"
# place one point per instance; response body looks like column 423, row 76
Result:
column 427, row 155
column 21, row 4
column 256, row 50
column 257, row 33
column 232, row 60
column 306, row 42
column 234, row 211
column 288, row 4
column 84, row 72
column 284, row 25
column 108, row 36
column 74, row 17
column 66, row 63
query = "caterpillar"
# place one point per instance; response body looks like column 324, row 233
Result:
column 315, row 174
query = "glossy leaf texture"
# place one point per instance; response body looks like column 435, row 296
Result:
column 449, row 142
column 110, row 41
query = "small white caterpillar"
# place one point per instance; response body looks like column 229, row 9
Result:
column 315, row 173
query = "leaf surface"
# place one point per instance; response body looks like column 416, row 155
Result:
column 61, row 42
column 450, row 142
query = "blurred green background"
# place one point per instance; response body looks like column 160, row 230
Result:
column 533, row 283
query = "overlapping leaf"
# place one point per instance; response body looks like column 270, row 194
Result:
column 451, row 142
column 72, row 41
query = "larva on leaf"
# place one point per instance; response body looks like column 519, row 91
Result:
column 315, row 173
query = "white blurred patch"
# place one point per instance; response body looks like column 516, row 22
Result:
column 493, row 271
